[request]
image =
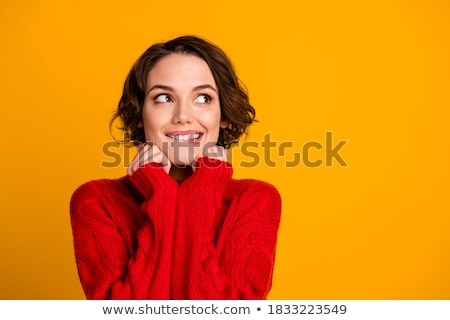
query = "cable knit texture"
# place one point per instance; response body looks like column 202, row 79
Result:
column 146, row 237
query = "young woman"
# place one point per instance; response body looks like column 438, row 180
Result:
column 178, row 226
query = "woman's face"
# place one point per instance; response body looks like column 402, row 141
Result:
column 181, row 112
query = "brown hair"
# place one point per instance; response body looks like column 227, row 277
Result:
column 235, row 108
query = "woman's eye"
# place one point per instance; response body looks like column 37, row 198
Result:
column 162, row 98
column 203, row 98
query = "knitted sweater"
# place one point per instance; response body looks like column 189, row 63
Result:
column 146, row 237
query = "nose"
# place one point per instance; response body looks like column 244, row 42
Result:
column 182, row 113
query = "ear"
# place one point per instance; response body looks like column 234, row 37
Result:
column 141, row 125
column 224, row 124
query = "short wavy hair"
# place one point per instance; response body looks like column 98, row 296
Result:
column 236, row 111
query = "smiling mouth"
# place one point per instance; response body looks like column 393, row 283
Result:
column 190, row 137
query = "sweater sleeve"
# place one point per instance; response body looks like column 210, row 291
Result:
column 238, row 262
column 107, row 268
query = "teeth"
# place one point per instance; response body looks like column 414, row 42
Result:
column 186, row 137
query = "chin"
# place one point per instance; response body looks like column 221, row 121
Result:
column 182, row 160
column 181, row 164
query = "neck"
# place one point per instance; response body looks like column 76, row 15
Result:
column 180, row 173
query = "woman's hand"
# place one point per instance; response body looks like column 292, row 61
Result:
column 148, row 153
column 213, row 152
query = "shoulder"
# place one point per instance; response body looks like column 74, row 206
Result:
column 98, row 191
column 94, row 188
column 254, row 194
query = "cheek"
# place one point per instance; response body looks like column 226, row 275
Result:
column 212, row 121
column 151, row 126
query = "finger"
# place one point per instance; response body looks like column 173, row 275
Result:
column 154, row 155
column 149, row 153
column 211, row 152
column 134, row 165
column 146, row 154
column 165, row 163
column 151, row 157
column 162, row 159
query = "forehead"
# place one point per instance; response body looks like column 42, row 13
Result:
column 181, row 70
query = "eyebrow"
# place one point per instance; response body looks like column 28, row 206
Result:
column 205, row 86
column 168, row 88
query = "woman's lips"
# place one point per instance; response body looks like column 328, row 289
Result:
column 189, row 136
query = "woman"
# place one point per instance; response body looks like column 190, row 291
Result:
column 177, row 226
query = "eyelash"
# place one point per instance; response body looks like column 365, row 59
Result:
column 160, row 95
column 207, row 97
column 168, row 97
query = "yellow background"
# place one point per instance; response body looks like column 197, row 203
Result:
column 375, row 73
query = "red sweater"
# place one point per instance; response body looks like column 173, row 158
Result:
column 146, row 237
